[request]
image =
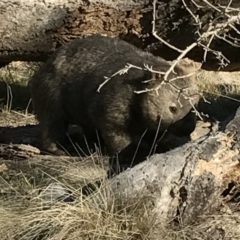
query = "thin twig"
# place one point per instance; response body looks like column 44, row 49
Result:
column 155, row 33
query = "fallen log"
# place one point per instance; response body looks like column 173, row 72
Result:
column 186, row 182
column 31, row 30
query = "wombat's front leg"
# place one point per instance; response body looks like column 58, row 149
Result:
column 115, row 141
column 171, row 141
column 129, row 156
column 53, row 133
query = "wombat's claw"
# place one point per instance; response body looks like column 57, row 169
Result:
column 52, row 149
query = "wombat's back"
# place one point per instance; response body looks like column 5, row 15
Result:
column 96, row 54
column 73, row 65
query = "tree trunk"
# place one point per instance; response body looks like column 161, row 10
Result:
column 31, row 30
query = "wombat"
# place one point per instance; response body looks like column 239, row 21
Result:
column 65, row 90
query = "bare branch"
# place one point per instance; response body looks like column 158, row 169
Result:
column 207, row 49
column 214, row 30
column 155, row 33
column 227, row 41
column 120, row 72
column 228, row 6
column 212, row 6
column 181, row 56
column 196, row 18
column 198, row 6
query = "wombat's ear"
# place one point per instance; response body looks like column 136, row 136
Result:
column 188, row 63
column 188, row 66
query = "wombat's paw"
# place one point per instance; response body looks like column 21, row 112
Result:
column 53, row 149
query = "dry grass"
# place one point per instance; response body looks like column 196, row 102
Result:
column 222, row 92
column 26, row 215
column 18, row 72
column 16, row 118
column 219, row 83
column 96, row 216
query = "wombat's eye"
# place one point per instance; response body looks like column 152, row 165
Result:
column 173, row 109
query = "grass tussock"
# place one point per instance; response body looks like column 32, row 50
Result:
column 219, row 83
column 84, row 220
column 220, row 94
column 18, row 72
column 27, row 215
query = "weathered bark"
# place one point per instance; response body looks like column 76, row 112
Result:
column 30, row 30
column 187, row 182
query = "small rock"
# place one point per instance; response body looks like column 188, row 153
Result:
column 202, row 128
column 56, row 192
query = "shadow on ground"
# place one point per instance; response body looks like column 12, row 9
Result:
column 15, row 97
column 77, row 145
column 220, row 109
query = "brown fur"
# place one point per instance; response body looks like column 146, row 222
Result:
column 64, row 91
